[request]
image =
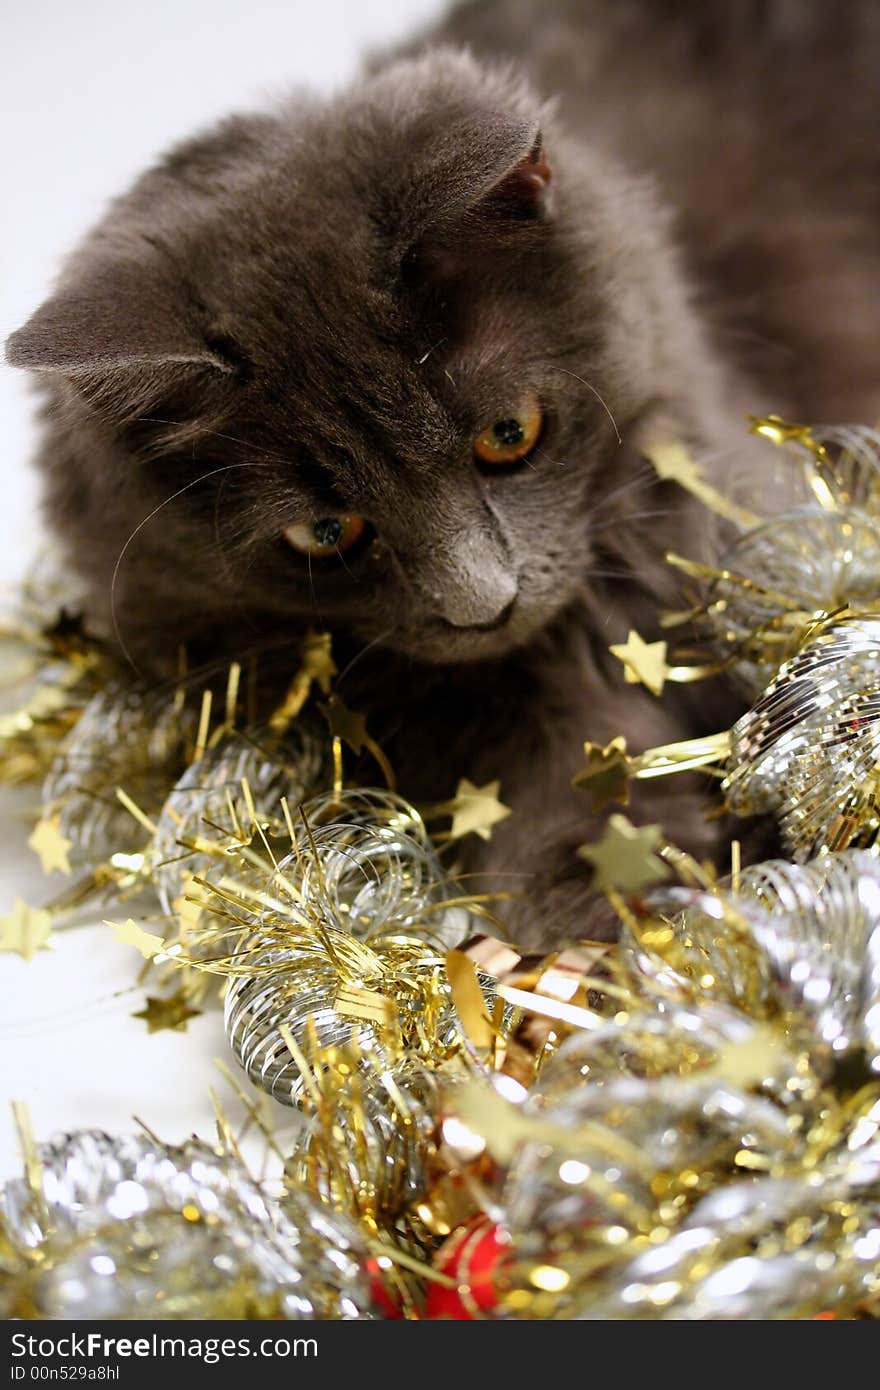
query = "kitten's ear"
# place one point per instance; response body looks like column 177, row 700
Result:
column 491, row 168
column 523, row 191
column 119, row 330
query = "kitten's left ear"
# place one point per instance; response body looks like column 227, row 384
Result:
column 522, row 193
column 488, row 168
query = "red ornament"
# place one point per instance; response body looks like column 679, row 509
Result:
column 471, row 1256
column 386, row 1299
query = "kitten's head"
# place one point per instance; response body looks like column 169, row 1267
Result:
column 355, row 363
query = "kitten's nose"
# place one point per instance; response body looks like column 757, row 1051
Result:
column 475, row 590
column 492, row 624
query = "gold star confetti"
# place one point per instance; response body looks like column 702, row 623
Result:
column 346, row 724
column 605, row 775
column 349, row 726
column 475, row 810
column 625, row 856
column 130, row 934
column 26, row 930
column 51, row 846
column 644, row 662
column 673, row 463
column 751, row 1060
column 67, row 634
column 317, row 668
column 173, row 1013
column 188, row 910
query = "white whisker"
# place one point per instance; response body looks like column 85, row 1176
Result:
column 224, row 468
column 362, row 653
column 217, row 434
column 599, row 398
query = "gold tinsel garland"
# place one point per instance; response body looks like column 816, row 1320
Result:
column 686, row 1125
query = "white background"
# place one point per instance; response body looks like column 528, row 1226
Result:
column 90, row 91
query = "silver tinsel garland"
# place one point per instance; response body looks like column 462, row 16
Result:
column 130, row 1228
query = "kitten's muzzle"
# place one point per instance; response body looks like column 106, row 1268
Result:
column 477, row 599
column 493, row 625
column 466, row 578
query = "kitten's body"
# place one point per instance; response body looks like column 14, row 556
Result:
column 316, row 312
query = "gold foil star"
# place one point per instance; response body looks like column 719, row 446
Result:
column 475, row 810
column 643, row 662
column 67, row 632
column 749, row 1061
column 188, row 910
column 346, row 724
column 673, row 463
column 349, row 726
column 317, row 668
column 625, row 856
column 51, row 846
column 26, row 930
column 173, row 1013
column 605, row 774
column 130, row 934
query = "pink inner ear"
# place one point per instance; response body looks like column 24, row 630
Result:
column 535, row 165
column 523, row 188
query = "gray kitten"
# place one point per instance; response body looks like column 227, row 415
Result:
column 387, row 362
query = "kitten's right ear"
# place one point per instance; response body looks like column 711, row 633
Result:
column 118, row 329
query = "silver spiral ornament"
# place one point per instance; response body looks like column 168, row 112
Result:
column 210, row 797
column 126, row 738
column 844, row 470
column 777, row 575
column 743, row 1127
column 820, row 936
column 304, row 990
column 363, row 862
column 129, row 1228
column 360, row 910
column 388, row 1123
column 801, row 939
column 816, row 559
column 809, row 748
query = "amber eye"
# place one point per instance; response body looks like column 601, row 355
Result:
column 329, row 535
column 513, row 435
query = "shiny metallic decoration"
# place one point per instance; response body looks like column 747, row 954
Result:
column 822, row 558
column 362, row 862
column 125, row 737
column 842, row 464
column 808, row 749
column 129, row 1228
column 210, row 797
column 777, row 576
column 711, row 1149
column 332, row 994
column 820, row 938
column 387, row 1107
column 351, row 945
column 793, row 612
